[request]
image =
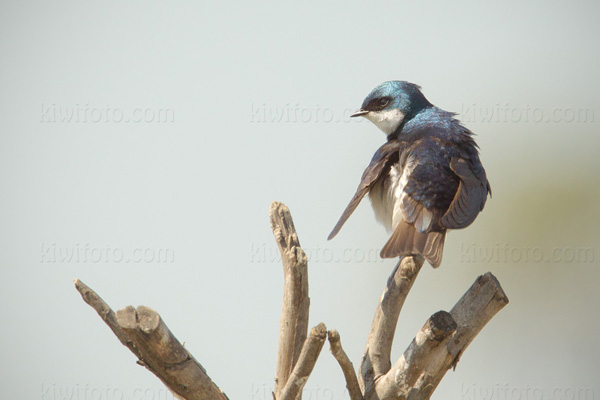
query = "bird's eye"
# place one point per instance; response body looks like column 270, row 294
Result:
column 383, row 102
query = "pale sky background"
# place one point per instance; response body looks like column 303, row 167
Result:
column 214, row 88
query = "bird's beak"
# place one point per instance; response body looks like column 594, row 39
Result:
column 359, row 113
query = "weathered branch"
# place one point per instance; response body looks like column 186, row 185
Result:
column 306, row 362
column 106, row 313
column 438, row 345
column 399, row 382
column 346, row 365
column 472, row 312
column 435, row 349
column 376, row 358
column 147, row 336
column 294, row 312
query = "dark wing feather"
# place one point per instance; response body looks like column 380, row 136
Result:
column 373, row 171
column 415, row 213
column 469, row 198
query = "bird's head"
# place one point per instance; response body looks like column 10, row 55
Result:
column 391, row 103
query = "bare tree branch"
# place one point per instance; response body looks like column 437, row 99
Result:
column 106, row 313
column 294, row 311
column 399, row 381
column 346, row 365
column 472, row 312
column 147, row 336
column 436, row 347
column 376, row 358
column 306, row 362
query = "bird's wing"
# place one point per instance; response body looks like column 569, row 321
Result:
column 470, row 197
column 421, row 226
column 381, row 158
column 416, row 226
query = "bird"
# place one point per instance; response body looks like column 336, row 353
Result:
column 425, row 180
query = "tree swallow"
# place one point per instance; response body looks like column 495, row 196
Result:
column 427, row 177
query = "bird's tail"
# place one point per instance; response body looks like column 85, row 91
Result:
column 407, row 240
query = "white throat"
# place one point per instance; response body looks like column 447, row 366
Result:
column 387, row 120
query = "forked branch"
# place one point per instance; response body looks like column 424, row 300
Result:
column 376, row 358
column 399, row 382
column 439, row 344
